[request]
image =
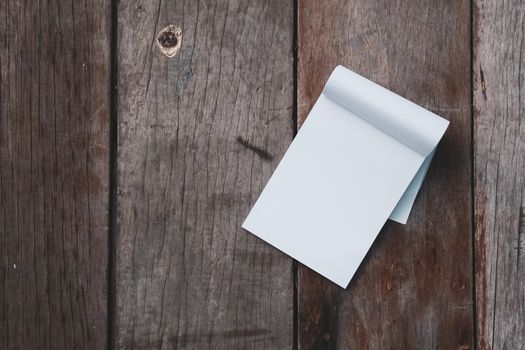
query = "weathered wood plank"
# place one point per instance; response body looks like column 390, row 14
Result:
column 54, row 113
column 199, row 135
column 499, row 169
column 414, row 291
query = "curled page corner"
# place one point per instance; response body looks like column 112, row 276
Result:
column 359, row 158
column 413, row 125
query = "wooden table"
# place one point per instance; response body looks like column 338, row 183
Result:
column 125, row 174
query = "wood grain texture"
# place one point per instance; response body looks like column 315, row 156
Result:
column 499, row 159
column 199, row 135
column 54, row 112
column 414, row 289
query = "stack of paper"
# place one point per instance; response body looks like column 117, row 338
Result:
column 359, row 158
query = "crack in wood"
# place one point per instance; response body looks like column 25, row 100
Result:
column 265, row 155
column 483, row 84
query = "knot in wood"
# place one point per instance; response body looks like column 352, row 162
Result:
column 169, row 40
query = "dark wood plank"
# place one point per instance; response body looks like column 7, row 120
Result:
column 199, row 135
column 414, row 290
column 54, row 113
column 499, row 169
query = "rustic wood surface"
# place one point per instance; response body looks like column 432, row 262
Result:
column 208, row 95
column 419, row 275
column 499, row 169
column 54, row 117
column 199, row 135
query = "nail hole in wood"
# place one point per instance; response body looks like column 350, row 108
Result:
column 169, row 40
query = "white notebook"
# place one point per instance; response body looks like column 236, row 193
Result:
column 359, row 158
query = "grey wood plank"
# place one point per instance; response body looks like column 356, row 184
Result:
column 54, row 113
column 499, row 158
column 415, row 288
column 200, row 133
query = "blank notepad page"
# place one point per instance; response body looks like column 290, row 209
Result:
column 337, row 184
